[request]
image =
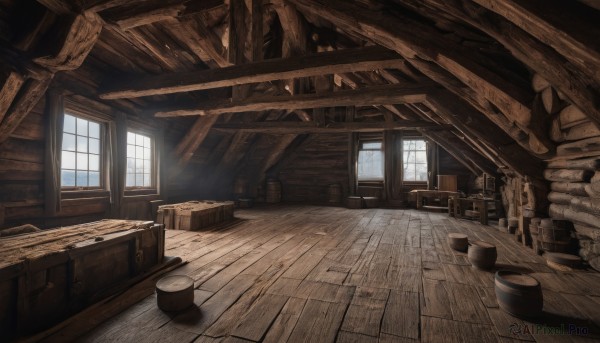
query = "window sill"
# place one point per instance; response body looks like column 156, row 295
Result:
column 141, row 191
column 87, row 193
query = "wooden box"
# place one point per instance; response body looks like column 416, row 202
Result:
column 48, row 276
column 194, row 215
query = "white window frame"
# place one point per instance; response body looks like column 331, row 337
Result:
column 101, row 153
column 414, row 164
column 153, row 161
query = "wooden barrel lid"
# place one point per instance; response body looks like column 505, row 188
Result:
column 516, row 280
column 483, row 245
column 564, row 259
column 370, row 198
column 174, row 283
column 354, row 197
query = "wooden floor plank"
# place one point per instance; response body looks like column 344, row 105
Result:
column 285, row 322
column 318, row 322
column 401, row 317
column 257, row 320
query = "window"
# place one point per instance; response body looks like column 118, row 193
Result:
column 414, row 160
column 80, row 156
column 370, row 161
column 140, row 167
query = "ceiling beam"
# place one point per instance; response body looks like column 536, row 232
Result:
column 340, row 61
column 376, row 95
column 284, row 128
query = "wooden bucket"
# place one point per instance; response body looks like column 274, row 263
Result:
column 334, row 193
column 458, row 241
column 175, row 293
column 354, row 202
column 371, row 202
column 482, row 255
column 518, row 294
column 273, row 195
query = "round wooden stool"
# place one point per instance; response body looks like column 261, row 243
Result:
column 175, row 293
column 458, row 241
column 482, row 255
column 518, row 294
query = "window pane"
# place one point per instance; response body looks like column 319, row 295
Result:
column 139, row 140
column 147, row 167
column 421, row 172
column 370, row 165
column 94, row 162
column 139, row 166
column 68, row 142
column 82, row 127
column 94, row 179
column 372, row 145
column 82, row 144
column 409, row 174
column 69, row 124
column 68, row 160
column 130, row 180
column 130, row 138
column 82, row 178
column 421, row 157
column 139, row 152
column 130, row 166
column 410, row 156
column 139, row 180
column 94, row 146
column 147, row 153
column 131, row 151
column 420, row 144
column 82, row 162
column 146, row 142
column 94, row 130
column 67, row 178
column 147, row 180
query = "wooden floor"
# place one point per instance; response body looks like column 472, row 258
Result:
column 325, row 274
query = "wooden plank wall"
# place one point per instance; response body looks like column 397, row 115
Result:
column 448, row 165
column 320, row 161
column 22, row 182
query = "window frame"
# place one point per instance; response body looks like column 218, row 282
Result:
column 74, row 191
column 154, row 182
column 414, row 138
column 382, row 150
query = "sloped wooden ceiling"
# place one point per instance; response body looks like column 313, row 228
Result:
column 459, row 71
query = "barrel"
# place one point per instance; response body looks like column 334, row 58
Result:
column 175, row 293
column 502, row 224
column 354, row 202
column 371, row 202
column 518, row 294
column 458, row 241
column 482, row 255
column 334, row 194
column 273, row 191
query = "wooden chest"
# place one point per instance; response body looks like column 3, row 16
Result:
column 195, row 215
column 48, row 276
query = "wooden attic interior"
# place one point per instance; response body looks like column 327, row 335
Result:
column 229, row 98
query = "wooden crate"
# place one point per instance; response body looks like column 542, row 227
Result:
column 195, row 215
column 48, row 276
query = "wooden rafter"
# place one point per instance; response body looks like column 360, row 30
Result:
column 341, row 61
column 376, row 95
column 284, row 128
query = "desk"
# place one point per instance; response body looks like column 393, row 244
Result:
column 419, row 194
column 463, row 204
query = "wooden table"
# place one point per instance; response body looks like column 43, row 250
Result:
column 420, row 194
column 463, row 204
